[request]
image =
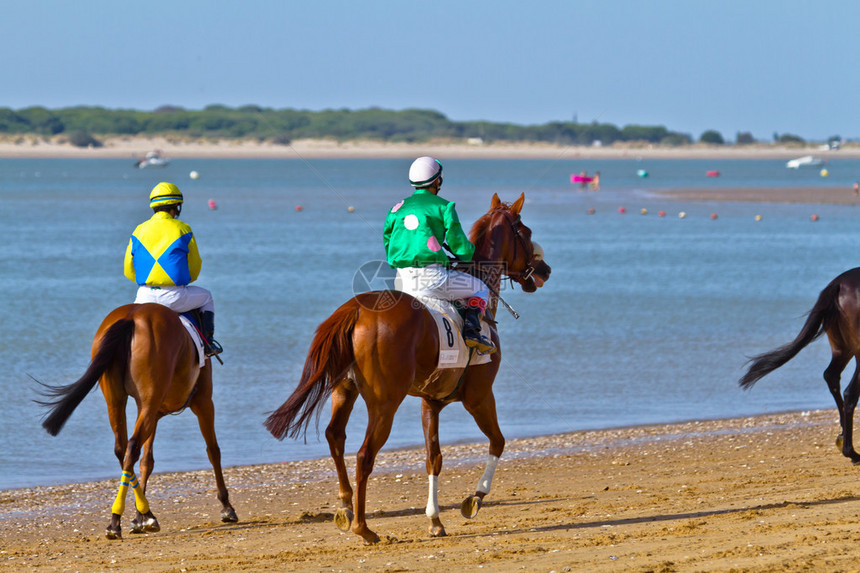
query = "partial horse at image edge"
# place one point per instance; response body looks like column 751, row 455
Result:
column 142, row 351
column 836, row 313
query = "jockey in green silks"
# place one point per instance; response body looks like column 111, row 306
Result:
column 418, row 229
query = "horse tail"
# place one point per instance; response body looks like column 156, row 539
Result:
column 114, row 349
column 819, row 320
column 331, row 355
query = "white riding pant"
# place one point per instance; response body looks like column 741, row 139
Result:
column 178, row 298
column 437, row 281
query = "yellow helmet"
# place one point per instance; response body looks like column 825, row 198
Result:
column 165, row 194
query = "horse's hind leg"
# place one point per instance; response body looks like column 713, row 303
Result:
column 430, row 422
column 144, row 428
column 145, row 522
column 379, row 423
column 343, row 398
column 116, row 400
column 484, row 413
column 204, row 409
column 833, row 377
column 852, row 392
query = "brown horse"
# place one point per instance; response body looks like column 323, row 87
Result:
column 383, row 346
column 143, row 351
column 837, row 313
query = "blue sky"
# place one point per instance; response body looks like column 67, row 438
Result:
column 763, row 66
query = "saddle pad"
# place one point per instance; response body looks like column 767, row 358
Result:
column 453, row 352
column 195, row 336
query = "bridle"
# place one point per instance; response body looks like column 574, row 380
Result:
column 516, row 226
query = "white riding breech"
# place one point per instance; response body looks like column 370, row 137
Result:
column 178, row 298
column 437, row 281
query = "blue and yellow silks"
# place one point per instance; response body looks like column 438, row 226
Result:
column 162, row 252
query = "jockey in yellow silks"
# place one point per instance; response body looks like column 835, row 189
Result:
column 162, row 258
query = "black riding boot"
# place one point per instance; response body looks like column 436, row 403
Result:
column 210, row 345
column 472, row 331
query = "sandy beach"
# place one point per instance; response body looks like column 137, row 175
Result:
column 183, row 147
column 767, row 493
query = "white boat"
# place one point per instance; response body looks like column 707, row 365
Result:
column 805, row 161
column 152, row 159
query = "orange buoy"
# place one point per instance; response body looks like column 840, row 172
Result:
column 713, row 216
column 662, row 213
column 814, row 217
column 298, row 207
column 591, row 211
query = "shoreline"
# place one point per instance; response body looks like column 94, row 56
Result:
column 755, row 493
column 127, row 147
column 462, row 450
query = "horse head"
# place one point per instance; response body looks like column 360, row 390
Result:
column 501, row 237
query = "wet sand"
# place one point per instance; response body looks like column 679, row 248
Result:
column 767, row 493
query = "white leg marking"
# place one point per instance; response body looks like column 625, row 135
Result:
column 433, row 498
column 487, row 479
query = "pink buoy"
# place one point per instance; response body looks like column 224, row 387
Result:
column 714, row 216
column 713, row 173
column 212, row 205
column 622, row 210
column 662, row 213
column 591, row 211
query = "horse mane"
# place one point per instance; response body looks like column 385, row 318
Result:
column 479, row 231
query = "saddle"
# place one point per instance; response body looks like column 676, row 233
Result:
column 453, row 352
column 191, row 321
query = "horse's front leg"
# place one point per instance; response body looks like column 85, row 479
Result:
column 430, row 422
column 852, row 392
column 145, row 521
column 484, row 412
column 343, row 398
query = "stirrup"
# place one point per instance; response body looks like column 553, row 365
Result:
column 480, row 343
column 212, row 348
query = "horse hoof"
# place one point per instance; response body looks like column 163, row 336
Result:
column 136, row 527
column 229, row 515
column 470, row 506
column 370, row 538
column 437, row 531
column 839, row 442
column 113, row 533
column 343, row 519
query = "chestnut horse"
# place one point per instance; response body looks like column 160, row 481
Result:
column 383, row 346
column 837, row 313
column 143, row 351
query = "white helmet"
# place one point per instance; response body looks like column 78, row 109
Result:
column 424, row 171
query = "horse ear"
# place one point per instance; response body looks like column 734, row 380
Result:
column 518, row 204
column 495, row 201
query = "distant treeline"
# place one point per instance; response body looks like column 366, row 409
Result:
column 83, row 124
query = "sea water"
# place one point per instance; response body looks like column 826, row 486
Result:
column 646, row 319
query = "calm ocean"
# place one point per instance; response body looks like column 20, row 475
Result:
column 645, row 320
